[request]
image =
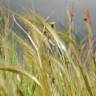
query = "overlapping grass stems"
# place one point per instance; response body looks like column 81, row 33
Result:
column 35, row 61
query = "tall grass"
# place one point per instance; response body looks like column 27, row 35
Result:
column 35, row 61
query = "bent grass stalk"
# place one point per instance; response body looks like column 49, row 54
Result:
column 55, row 78
column 19, row 71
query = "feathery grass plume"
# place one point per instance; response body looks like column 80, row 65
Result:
column 30, row 38
column 38, row 33
column 90, row 35
column 88, row 21
column 58, row 42
column 84, row 74
column 71, row 14
column 4, row 39
column 54, row 77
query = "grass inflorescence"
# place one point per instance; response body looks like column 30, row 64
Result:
column 36, row 61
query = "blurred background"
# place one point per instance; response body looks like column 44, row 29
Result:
column 56, row 10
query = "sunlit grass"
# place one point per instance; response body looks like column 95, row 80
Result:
column 36, row 61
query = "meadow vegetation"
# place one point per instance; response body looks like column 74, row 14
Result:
column 38, row 60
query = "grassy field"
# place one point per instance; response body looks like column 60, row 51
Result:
column 38, row 60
